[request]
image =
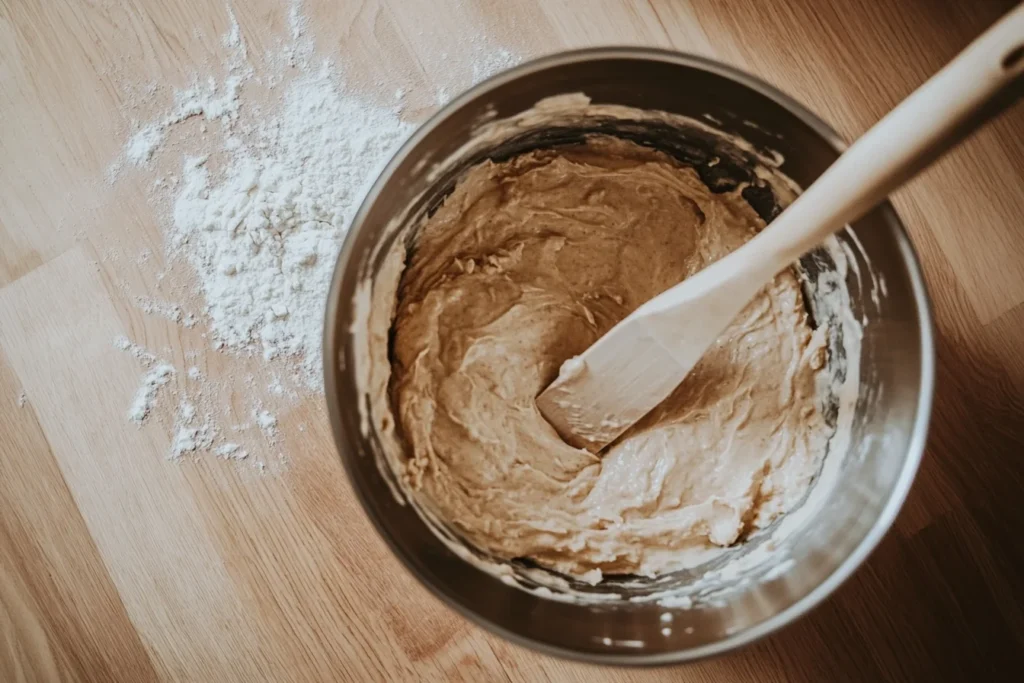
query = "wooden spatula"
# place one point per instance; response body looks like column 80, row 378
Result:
column 639, row 362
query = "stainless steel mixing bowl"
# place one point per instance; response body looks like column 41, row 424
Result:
column 896, row 370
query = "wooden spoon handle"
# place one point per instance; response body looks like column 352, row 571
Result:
column 954, row 102
column 641, row 360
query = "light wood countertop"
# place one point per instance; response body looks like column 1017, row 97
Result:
column 116, row 564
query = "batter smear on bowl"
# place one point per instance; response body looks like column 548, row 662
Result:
column 525, row 265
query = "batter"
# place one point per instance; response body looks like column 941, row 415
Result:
column 526, row 264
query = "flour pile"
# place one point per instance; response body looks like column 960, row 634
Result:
column 263, row 240
column 273, row 161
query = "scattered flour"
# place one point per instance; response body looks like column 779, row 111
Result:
column 188, row 439
column 233, row 38
column 22, row 399
column 297, row 22
column 144, row 143
column 267, row 189
column 265, row 421
column 263, row 240
column 140, row 354
column 490, row 60
column 276, row 388
column 145, row 398
column 231, row 450
column 208, row 99
column 186, row 412
column 164, row 309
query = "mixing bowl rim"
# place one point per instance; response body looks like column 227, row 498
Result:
column 915, row 449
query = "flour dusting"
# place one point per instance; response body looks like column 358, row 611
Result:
column 144, row 143
column 273, row 159
column 188, row 436
column 145, row 398
column 264, row 239
column 140, row 354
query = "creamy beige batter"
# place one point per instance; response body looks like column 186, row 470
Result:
column 525, row 265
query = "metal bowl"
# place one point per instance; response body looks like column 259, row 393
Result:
column 891, row 414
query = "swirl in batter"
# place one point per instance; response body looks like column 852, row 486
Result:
column 526, row 264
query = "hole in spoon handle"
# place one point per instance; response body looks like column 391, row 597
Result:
column 1013, row 59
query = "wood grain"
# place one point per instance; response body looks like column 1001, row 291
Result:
column 118, row 565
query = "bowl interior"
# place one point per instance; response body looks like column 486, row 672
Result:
column 887, row 297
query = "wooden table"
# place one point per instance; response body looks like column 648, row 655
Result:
column 116, row 564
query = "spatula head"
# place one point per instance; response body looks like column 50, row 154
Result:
column 601, row 393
